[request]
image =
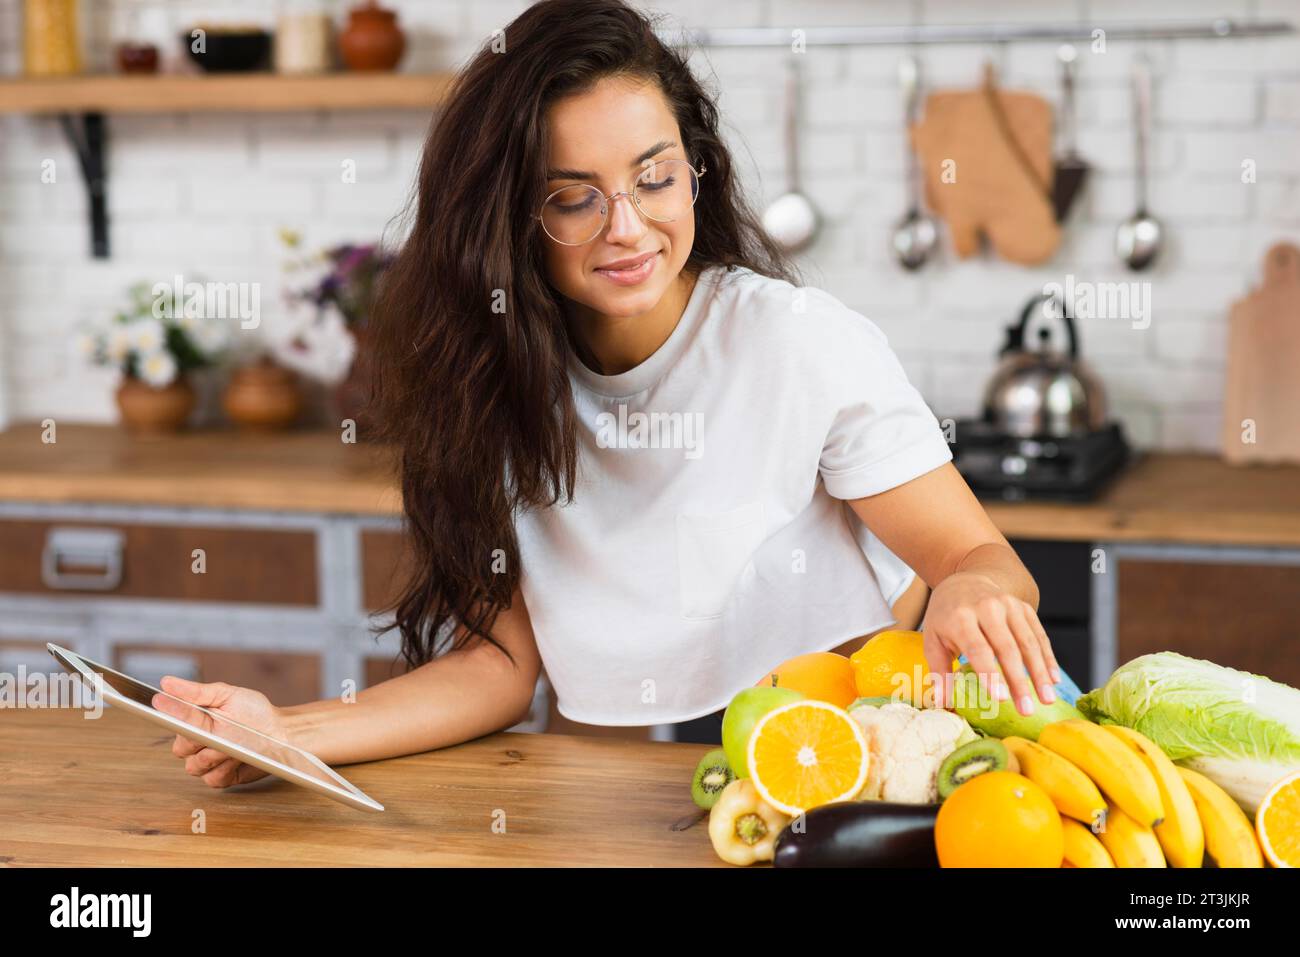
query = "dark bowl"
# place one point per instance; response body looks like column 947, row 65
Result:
column 231, row 51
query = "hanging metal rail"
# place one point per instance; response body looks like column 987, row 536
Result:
column 987, row 33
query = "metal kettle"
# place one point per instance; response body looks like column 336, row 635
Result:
column 1043, row 393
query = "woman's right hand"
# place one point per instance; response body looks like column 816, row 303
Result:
column 248, row 707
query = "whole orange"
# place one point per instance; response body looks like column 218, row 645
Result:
column 999, row 819
column 821, row 675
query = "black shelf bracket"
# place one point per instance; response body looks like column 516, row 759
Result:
column 85, row 133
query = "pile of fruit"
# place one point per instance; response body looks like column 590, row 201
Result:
column 835, row 761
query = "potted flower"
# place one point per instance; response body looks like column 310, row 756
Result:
column 155, row 349
column 332, row 313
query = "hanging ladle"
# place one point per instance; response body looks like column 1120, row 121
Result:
column 791, row 219
column 916, row 234
column 1139, row 238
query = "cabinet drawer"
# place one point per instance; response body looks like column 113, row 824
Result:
column 271, row 566
column 1242, row 616
column 385, row 565
column 285, row 678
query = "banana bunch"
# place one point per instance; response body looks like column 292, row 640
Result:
column 1125, row 804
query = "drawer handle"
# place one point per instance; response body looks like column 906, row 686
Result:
column 99, row 548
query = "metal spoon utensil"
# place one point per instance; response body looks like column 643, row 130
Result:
column 916, row 234
column 791, row 219
column 1139, row 238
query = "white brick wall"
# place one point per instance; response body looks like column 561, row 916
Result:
column 205, row 194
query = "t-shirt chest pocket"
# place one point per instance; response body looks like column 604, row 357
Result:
column 712, row 550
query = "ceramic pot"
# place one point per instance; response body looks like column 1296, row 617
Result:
column 372, row 40
column 146, row 410
column 264, row 397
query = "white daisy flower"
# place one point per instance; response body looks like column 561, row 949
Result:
column 147, row 335
column 157, row 369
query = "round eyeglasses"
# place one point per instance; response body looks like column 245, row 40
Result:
column 663, row 192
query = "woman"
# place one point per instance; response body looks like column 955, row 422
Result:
column 632, row 448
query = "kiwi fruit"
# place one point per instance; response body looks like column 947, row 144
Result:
column 712, row 775
column 970, row 760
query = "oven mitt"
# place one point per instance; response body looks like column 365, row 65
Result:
column 1000, row 186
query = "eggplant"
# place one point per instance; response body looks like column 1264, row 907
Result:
column 860, row 834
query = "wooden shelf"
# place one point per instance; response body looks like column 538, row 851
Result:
column 81, row 103
column 241, row 92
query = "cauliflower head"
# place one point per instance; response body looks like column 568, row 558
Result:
column 907, row 746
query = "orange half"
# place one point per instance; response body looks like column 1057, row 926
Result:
column 805, row 754
column 1277, row 822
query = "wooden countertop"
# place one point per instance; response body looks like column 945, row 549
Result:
column 1161, row 497
column 301, row 471
column 108, row 792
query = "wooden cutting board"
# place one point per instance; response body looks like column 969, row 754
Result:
column 1263, row 377
column 986, row 155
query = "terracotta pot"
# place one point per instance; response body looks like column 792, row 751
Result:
column 372, row 40
column 147, row 410
column 263, row 397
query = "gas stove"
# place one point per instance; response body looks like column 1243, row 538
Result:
column 1001, row 466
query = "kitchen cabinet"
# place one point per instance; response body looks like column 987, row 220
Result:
column 174, row 562
column 1235, row 606
column 1240, row 614
column 285, row 603
column 269, row 600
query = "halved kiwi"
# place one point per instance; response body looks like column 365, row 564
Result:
column 711, row 776
column 971, row 760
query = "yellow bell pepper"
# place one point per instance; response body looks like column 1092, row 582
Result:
column 742, row 826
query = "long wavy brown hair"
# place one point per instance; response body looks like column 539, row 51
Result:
column 470, row 341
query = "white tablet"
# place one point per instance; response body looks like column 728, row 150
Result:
column 216, row 731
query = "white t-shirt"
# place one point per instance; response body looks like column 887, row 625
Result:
column 708, row 540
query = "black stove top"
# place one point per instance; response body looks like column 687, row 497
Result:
column 1000, row 466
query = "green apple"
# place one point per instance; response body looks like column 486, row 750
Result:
column 741, row 716
column 1000, row 719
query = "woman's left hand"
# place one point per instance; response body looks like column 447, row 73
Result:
column 970, row 614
